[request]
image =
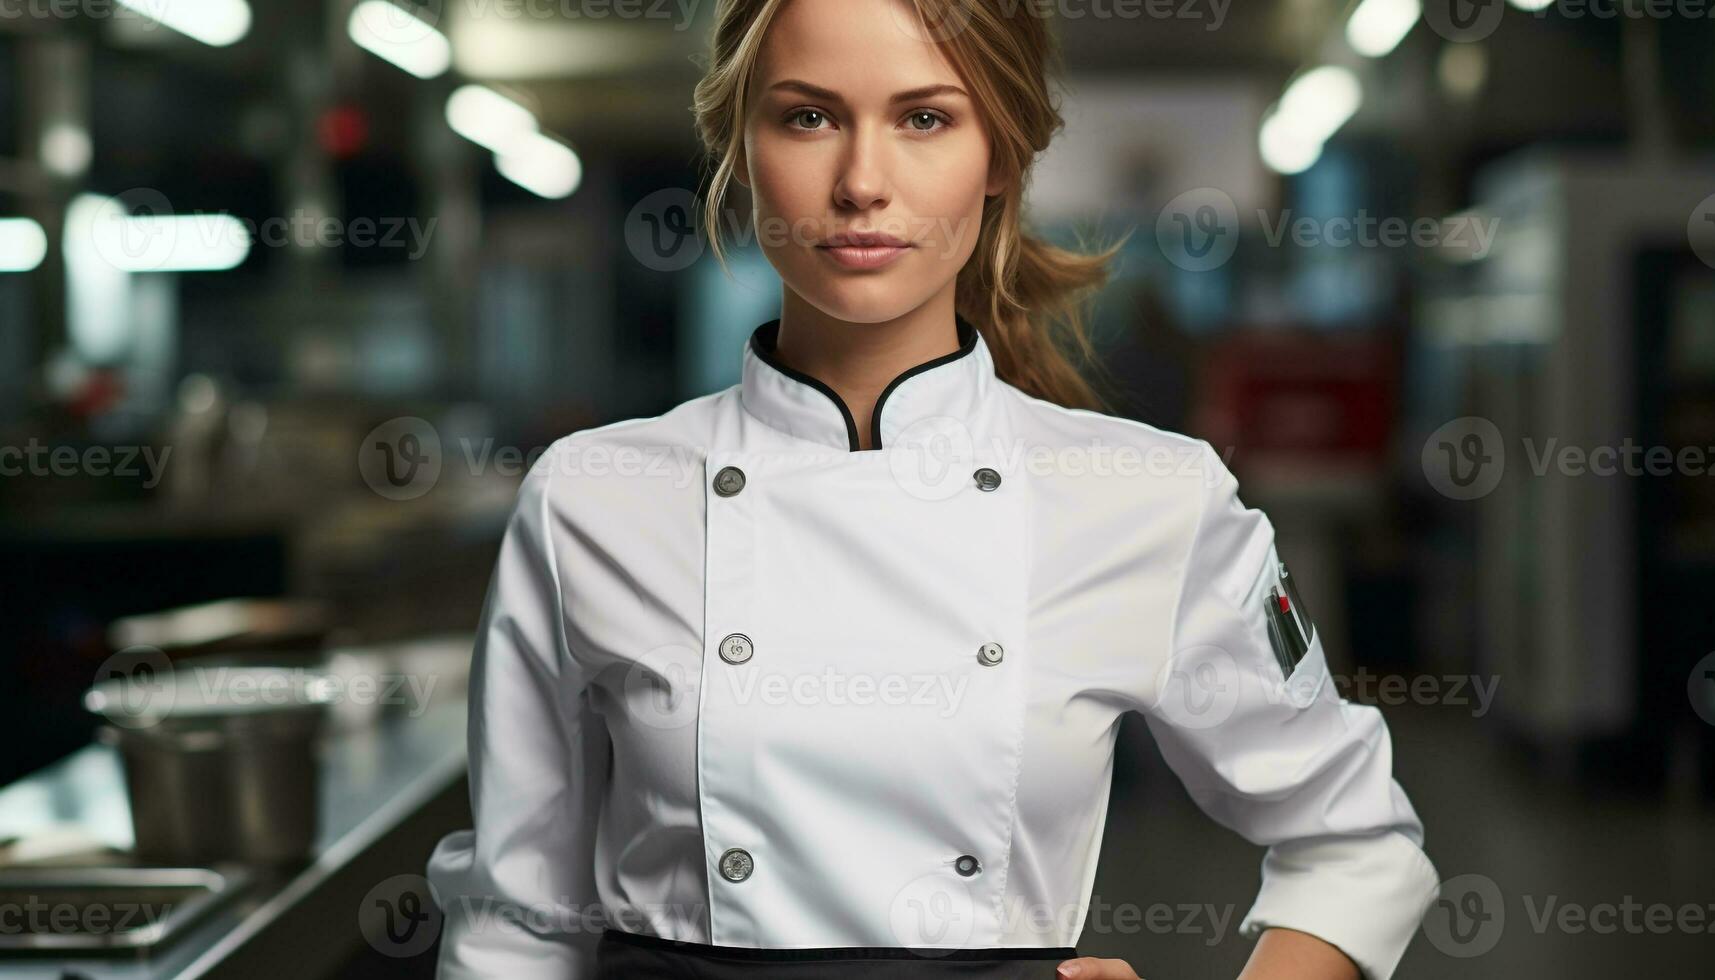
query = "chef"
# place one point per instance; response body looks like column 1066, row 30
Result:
column 763, row 690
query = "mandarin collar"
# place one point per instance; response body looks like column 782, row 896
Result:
column 952, row 386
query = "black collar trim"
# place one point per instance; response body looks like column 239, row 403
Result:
column 764, row 338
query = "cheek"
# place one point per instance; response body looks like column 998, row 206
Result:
column 785, row 184
column 950, row 202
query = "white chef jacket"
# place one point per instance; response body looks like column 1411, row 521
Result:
column 738, row 682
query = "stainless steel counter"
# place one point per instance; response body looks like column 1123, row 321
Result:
column 389, row 789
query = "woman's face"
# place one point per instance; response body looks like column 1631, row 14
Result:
column 858, row 126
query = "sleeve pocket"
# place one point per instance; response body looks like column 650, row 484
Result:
column 1308, row 681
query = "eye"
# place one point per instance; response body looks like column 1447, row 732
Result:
column 813, row 114
column 923, row 121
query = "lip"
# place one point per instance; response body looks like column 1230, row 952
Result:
column 864, row 249
column 863, row 257
column 865, row 239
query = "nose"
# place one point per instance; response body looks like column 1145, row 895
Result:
column 863, row 182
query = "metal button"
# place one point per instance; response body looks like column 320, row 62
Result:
column 729, row 481
column 736, row 864
column 967, row 865
column 990, row 654
column 736, row 648
column 987, row 479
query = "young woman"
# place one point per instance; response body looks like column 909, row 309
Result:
column 819, row 676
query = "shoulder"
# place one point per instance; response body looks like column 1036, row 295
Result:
column 1174, row 491
column 688, row 423
column 630, row 459
column 1143, row 457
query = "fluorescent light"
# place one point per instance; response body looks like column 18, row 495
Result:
column 541, row 165
column 1463, row 69
column 1531, row 5
column 1377, row 26
column 1322, row 100
column 1314, row 107
column 489, row 119
column 101, row 229
column 495, row 46
column 66, row 149
column 1285, row 149
column 23, row 245
column 217, row 23
column 522, row 152
column 194, row 243
column 397, row 35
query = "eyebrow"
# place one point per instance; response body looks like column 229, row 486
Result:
column 829, row 95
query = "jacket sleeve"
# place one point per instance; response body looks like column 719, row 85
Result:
column 517, row 892
column 1283, row 759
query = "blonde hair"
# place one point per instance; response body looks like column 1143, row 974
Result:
column 1025, row 295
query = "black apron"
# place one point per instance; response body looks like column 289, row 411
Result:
column 624, row 956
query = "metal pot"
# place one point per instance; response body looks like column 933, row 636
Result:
column 220, row 761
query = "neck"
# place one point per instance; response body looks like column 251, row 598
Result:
column 858, row 360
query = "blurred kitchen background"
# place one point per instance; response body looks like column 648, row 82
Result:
column 290, row 293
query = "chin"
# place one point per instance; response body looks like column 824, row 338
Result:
column 862, row 310
column 863, row 299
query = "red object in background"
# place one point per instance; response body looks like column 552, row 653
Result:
column 1303, row 394
column 343, row 131
column 100, row 390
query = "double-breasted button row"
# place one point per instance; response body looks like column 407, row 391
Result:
column 730, row 480
column 736, row 648
column 736, row 864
